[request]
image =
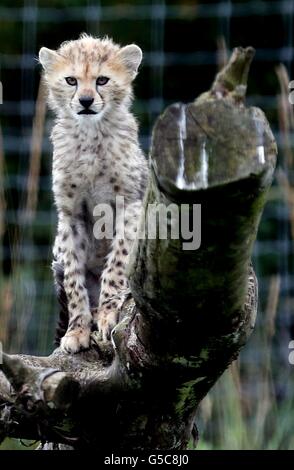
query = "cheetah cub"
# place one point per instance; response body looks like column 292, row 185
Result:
column 96, row 158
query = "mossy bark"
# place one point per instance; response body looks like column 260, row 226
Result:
column 188, row 312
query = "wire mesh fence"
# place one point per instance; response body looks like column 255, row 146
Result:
column 184, row 42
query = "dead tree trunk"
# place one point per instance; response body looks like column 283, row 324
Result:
column 189, row 311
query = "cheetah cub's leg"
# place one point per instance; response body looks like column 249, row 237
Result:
column 114, row 280
column 74, row 246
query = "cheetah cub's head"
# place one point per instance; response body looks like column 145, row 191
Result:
column 89, row 77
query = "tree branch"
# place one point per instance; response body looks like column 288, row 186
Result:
column 189, row 311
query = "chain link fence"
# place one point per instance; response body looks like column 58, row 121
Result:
column 184, row 42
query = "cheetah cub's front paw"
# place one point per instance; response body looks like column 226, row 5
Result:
column 106, row 319
column 76, row 340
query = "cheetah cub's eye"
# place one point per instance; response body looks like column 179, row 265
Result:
column 102, row 80
column 71, row 81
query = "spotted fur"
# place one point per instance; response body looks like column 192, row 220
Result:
column 96, row 157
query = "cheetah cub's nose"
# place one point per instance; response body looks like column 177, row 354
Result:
column 86, row 101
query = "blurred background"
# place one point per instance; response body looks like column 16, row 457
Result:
column 185, row 42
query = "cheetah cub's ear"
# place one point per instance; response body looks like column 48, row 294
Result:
column 131, row 56
column 47, row 58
